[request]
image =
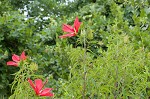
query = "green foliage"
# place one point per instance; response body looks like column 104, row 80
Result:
column 121, row 72
column 20, row 84
column 111, row 62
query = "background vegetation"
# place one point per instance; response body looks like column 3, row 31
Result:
column 109, row 58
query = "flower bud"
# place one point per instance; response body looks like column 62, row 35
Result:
column 33, row 66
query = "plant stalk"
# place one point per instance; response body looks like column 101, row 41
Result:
column 84, row 74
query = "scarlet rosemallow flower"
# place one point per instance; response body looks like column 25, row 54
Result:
column 38, row 88
column 16, row 59
column 72, row 30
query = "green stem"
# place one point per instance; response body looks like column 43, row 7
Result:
column 142, row 41
column 116, row 83
column 84, row 74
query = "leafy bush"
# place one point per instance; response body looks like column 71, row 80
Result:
column 120, row 72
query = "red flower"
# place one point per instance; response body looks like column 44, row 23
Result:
column 38, row 88
column 72, row 30
column 16, row 59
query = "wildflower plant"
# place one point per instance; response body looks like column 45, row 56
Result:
column 82, row 53
column 107, row 56
column 118, row 71
column 22, row 84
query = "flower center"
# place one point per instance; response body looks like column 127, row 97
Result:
column 75, row 32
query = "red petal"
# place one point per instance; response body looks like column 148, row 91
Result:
column 32, row 85
column 38, row 84
column 46, row 92
column 23, row 57
column 77, row 24
column 12, row 63
column 15, row 58
column 67, row 35
column 68, row 28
